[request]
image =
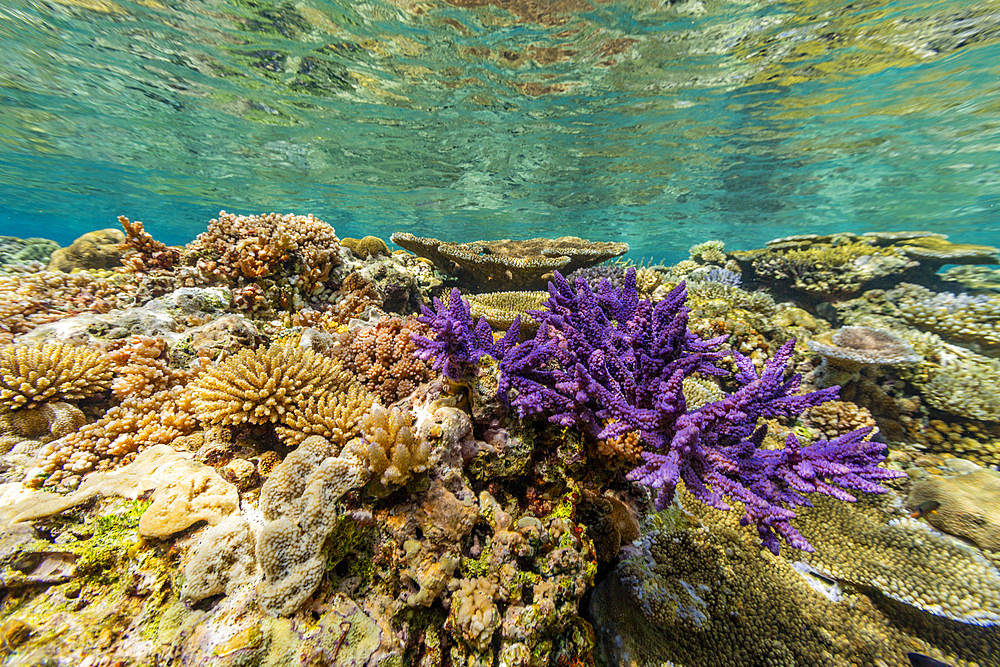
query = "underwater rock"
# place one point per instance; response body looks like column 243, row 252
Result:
column 100, row 249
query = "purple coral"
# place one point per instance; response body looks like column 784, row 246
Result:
column 458, row 345
column 610, row 363
column 717, row 451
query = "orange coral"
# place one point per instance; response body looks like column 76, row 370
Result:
column 142, row 252
column 143, row 368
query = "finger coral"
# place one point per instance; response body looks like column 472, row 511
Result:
column 27, row 301
column 143, row 369
column 390, row 446
column 335, row 415
column 959, row 317
column 261, row 386
column 143, row 253
column 33, row 374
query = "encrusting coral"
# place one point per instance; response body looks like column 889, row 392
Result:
column 966, row 505
column 33, row 374
column 222, row 560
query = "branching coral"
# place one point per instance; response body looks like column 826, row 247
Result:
column 712, row 252
column 383, row 357
column 27, row 301
column 143, row 253
column 143, row 369
column 33, row 374
column 124, row 430
column 391, row 448
column 335, row 415
column 971, row 319
column 261, row 386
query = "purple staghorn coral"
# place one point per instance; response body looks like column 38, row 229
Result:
column 610, row 363
column 717, row 451
column 458, row 345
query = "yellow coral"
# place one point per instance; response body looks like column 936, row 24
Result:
column 33, row 374
column 334, row 415
column 261, row 386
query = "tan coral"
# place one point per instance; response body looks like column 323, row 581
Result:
column 966, row 505
column 261, row 386
column 501, row 308
column 334, row 415
column 391, row 448
column 94, row 250
column 835, row 418
column 222, row 560
column 143, row 368
column 474, row 612
column 33, row 374
column 369, row 246
column 134, row 425
column 195, row 494
column 142, row 253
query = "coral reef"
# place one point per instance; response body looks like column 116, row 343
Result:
column 30, row 300
column 222, row 560
column 848, row 349
column 369, row 246
column 510, row 265
column 500, row 309
column 964, row 318
column 33, row 374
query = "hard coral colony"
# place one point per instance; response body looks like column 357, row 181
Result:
column 253, row 449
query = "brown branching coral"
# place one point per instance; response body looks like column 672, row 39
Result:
column 261, row 386
column 835, row 418
column 124, row 430
column 382, row 357
column 143, row 369
column 143, row 253
column 391, row 449
column 241, row 247
column 34, row 374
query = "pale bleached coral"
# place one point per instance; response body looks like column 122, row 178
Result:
column 33, row 374
column 261, row 386
column 143, row 368
column 195, row 494
column 391, row 447
column 474, row 613
column 712, row 252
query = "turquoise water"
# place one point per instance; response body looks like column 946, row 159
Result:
column 658, row 123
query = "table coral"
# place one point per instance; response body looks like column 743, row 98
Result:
column 33, row 374
column 848, row 349
column 696, row 591
column 509, row 264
